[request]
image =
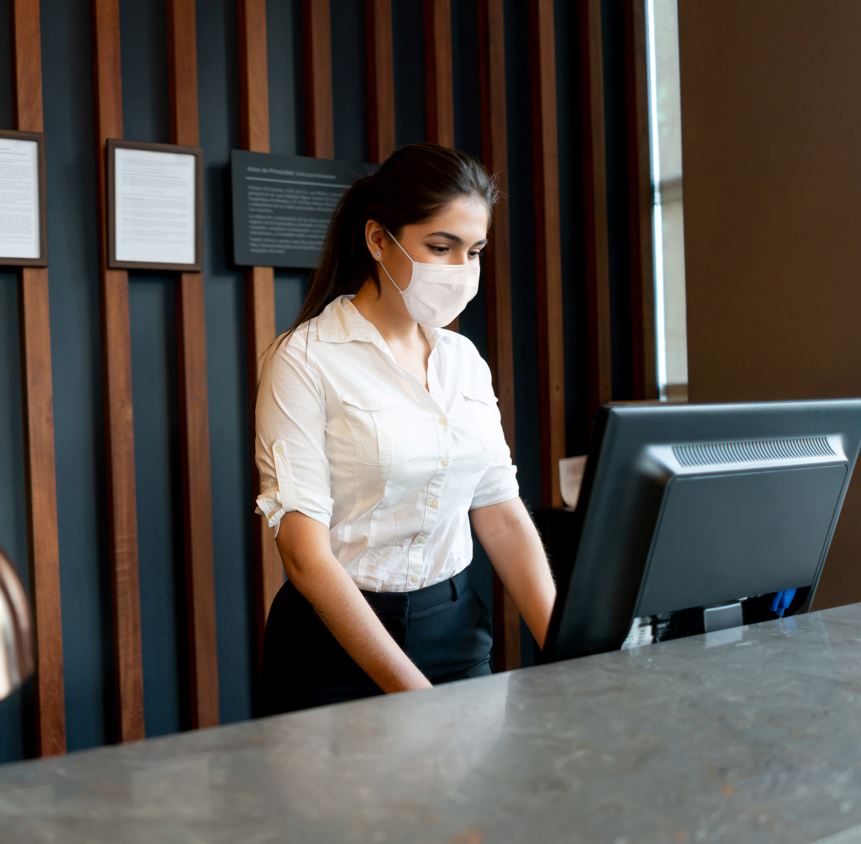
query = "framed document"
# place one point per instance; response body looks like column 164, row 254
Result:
column 23, row 239
column 155, row 200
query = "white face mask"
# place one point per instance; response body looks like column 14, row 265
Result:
column 437, row 293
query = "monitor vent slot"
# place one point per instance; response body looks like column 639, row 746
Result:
column 752, row 451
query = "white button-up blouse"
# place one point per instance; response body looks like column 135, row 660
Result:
column 348, row 437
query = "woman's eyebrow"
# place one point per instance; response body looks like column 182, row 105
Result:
column 455, row 239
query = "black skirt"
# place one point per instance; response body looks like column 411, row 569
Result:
column 445, row 629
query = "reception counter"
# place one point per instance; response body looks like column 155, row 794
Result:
column 748, row 736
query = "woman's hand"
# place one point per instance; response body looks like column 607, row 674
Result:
column 508, row 535
column 307, row 554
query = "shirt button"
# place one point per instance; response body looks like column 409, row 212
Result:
column 444, row 462
column 420, row 539
column 433, row 504
column 443, row 420
column 413, row 579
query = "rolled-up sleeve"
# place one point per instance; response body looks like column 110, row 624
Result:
column 499, row 482
column 289, row 444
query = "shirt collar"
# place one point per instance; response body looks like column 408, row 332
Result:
column 341, row 322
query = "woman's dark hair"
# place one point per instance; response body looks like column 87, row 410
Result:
column 412, row 184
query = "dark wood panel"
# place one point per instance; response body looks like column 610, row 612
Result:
column 27, row 48
column 39, row 418
column 42, row 510
column 195, row 448
column 182, row 62
column 548, row 248
column 319, row 120
column 260, row 309
column 496, row 280
column 599, row 375
column 640, row 230
column 194, row 398
column 116, row 362
column 496, row 274
column 770, row 146
column 439, row 95
column 260, row 283
column 381, row 80
column 253, row 76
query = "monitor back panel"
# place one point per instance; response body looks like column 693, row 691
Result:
column 766, row 529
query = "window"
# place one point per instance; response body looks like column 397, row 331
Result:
column 665, row 131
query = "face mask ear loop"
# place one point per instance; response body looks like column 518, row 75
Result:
column 398, row 243
column 379, row 261
column 390, row 277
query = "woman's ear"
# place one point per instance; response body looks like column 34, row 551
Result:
column 375, row 239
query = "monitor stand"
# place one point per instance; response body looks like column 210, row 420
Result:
column 675, row 625
column 722, row 617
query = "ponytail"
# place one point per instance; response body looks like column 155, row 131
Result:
column 345, row 262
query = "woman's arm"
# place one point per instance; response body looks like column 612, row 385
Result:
column 312, row 567
column 512, row 543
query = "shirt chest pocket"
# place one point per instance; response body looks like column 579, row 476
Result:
column 482, row 414
column 383, row 428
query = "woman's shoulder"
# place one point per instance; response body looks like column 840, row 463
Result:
column 458, row 343
column 302, row 339
column 460, row 347
column 291, row 342
column 464, row 355
column 293, row 349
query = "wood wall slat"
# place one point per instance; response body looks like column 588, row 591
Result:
column 42, row 510
column 496, row 276
column 548, row 248
column 194, row 397
column 260, row 281
column 182, row 58
column 253, row 76
column 39, row 419
column 319, row 120
column 194, row 425
column 641, row 278
column 260, row 314
column 496, row 280
column 381, row 80
column 595, row 206
column 27, row 48
column 439, row 95
column 116, row 362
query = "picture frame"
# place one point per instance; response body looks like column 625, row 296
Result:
column 26, row 151
column 155, row 206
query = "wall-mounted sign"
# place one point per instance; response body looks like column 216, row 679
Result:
column 282, row 205
column 23, row 240
column 155, row 199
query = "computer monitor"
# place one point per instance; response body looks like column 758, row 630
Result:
column 688, row 507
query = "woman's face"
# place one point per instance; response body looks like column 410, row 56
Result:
column 455, row 235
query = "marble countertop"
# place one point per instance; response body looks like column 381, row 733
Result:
column 748, row 736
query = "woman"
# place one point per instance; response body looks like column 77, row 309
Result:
column 379, row 440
